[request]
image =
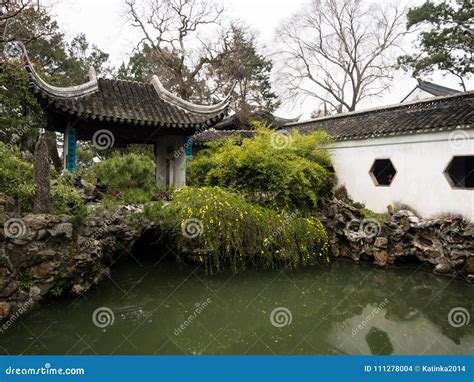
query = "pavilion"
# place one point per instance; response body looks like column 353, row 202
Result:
column 118, row 112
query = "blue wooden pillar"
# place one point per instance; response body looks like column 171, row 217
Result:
column 189, row 152
column 71, row 149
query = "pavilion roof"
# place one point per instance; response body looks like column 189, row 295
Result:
column 121, row 102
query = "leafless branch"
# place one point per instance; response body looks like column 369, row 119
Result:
column 341, row 49
column 171, row 28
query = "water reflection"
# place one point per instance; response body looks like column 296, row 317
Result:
column 384, row 335
column 340, row 309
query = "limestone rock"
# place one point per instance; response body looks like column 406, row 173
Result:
column 56, row 251
column 446, row 243
column 42, row 234
column 43, row 221
column 4, row 310
column 42, row 174
column 11, row 288
column 444, row 266
column 381, row 257
column 35, row 293
column 65, row 229
column 469, row 266
column 381, row 242
column 44, row 270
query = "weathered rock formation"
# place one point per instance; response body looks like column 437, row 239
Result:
column 44, row 254
column 42, row 168
column 446, row 243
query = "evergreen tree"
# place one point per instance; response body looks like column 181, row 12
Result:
column 448, row 43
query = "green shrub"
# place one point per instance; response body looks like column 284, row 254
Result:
column 26, row 281
column 16, row 177
column 66, row 199
column 85, row 155
column 285, row 171
column 381, row 217
column 130, row 177
column 221, row 227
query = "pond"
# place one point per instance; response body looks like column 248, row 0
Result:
column 341, row 308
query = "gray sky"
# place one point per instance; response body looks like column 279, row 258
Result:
column 104, row 24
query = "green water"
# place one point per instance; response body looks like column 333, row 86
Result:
column 342, row 308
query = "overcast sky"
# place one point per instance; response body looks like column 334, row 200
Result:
column 103, row 23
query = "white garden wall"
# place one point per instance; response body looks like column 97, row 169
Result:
column 420, row 161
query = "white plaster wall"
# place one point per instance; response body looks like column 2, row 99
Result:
column 420, row 161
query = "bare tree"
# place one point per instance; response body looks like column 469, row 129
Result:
column 339, row 51
column 172, row 28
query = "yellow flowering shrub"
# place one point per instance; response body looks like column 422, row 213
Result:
column 220, row 228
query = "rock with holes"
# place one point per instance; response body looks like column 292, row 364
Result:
column 446, row 243
column 62, row 229
column 4, row 310
column 60, row 254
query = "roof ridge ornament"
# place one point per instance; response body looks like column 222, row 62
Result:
column 92, row 74
column 67, row 92
column 169, row 97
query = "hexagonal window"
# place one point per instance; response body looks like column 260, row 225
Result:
column 460, row 172
column 382, row 172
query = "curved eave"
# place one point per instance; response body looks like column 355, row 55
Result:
column 65, row 111
column 174, row 100
column 69, row 92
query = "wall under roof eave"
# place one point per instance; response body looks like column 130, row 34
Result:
column 420, row 161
